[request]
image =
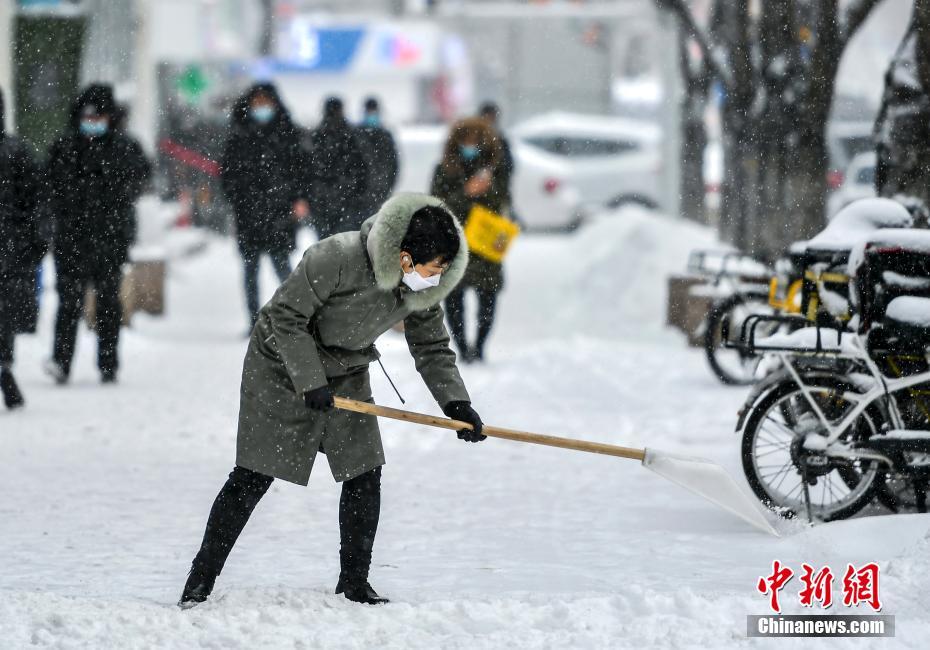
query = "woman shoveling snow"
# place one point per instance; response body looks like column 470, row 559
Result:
column 315, row 339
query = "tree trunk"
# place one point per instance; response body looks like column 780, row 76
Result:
column 693, row 137
column 739, row 155
column 805, row 201
column 781, row 79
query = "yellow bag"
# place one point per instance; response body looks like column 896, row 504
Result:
column 489, row 234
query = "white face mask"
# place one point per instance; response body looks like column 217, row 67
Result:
column 417, row 282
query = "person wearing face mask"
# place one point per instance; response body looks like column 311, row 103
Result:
column 380, row 154
column 265, row 176
column 93, row 176
column 473, row 172
column 314, row 340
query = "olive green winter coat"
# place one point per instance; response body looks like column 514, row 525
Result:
column 320, row 327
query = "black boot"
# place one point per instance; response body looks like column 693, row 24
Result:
column 359, row 510
column 56, row 371
column 228, row 516
column 197, row 589
column 360, row 593
column 12, row 396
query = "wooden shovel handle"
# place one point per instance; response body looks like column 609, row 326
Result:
column 494, row 432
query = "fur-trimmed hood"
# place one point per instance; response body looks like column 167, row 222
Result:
column 382, row 236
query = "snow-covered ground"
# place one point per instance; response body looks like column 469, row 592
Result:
column 105, row 490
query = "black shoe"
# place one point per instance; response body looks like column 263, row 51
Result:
column 12, row 396
column 54, row 370
column 473, row 355
column 107, row 376
column 360, row 593
column 197, row 589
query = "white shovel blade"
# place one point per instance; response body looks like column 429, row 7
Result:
column 712, row 482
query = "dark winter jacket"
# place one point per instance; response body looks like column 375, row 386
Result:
column 21, row 247
column 454, row 171
column 380, row 154
column 339, row 176
column 322, row 324
column 507, row 162
column 264, row 171
column 91, row 187
column 449, row 180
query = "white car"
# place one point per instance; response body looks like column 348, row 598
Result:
column 565, row 165
column 536, row 181
column 858, row 183
column 606, row 161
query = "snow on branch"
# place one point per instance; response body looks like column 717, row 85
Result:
column 715, row 58
column 857, row 11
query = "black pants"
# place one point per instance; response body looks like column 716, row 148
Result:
column 106, row 282
column 280, row 260
column 359, row 509
column 6, row 328
column 455, row 310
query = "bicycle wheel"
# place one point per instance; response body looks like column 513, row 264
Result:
column 733, row 366
column 773, row 452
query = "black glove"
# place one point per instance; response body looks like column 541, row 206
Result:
column 463, row 412
column 320, row 399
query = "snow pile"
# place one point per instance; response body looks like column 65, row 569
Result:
column 608, row 280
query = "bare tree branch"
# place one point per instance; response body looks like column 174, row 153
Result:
column 680, row 9
column 856, row 13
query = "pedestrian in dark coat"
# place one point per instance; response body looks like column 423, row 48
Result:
column 380, row 154
column 339, row 173
column 315, row 340
column 472, row 172
column 21, row 250
column 265, row 176
column 93, row 177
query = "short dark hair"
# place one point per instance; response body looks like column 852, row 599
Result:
column 371, row 104
column 332, row 107
column 431, row 234
column 489, row 109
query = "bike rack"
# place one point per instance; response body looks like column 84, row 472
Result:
column 697, row 264
column 747, row 341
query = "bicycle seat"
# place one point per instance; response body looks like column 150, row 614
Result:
column 907, row 320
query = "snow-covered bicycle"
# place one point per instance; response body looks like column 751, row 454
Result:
column 843, row 418
column 739, row 286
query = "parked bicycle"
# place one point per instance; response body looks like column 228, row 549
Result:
column 739, row 286
column 811, row 282
column 843, row 419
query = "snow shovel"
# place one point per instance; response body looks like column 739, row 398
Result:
column 698, row 475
